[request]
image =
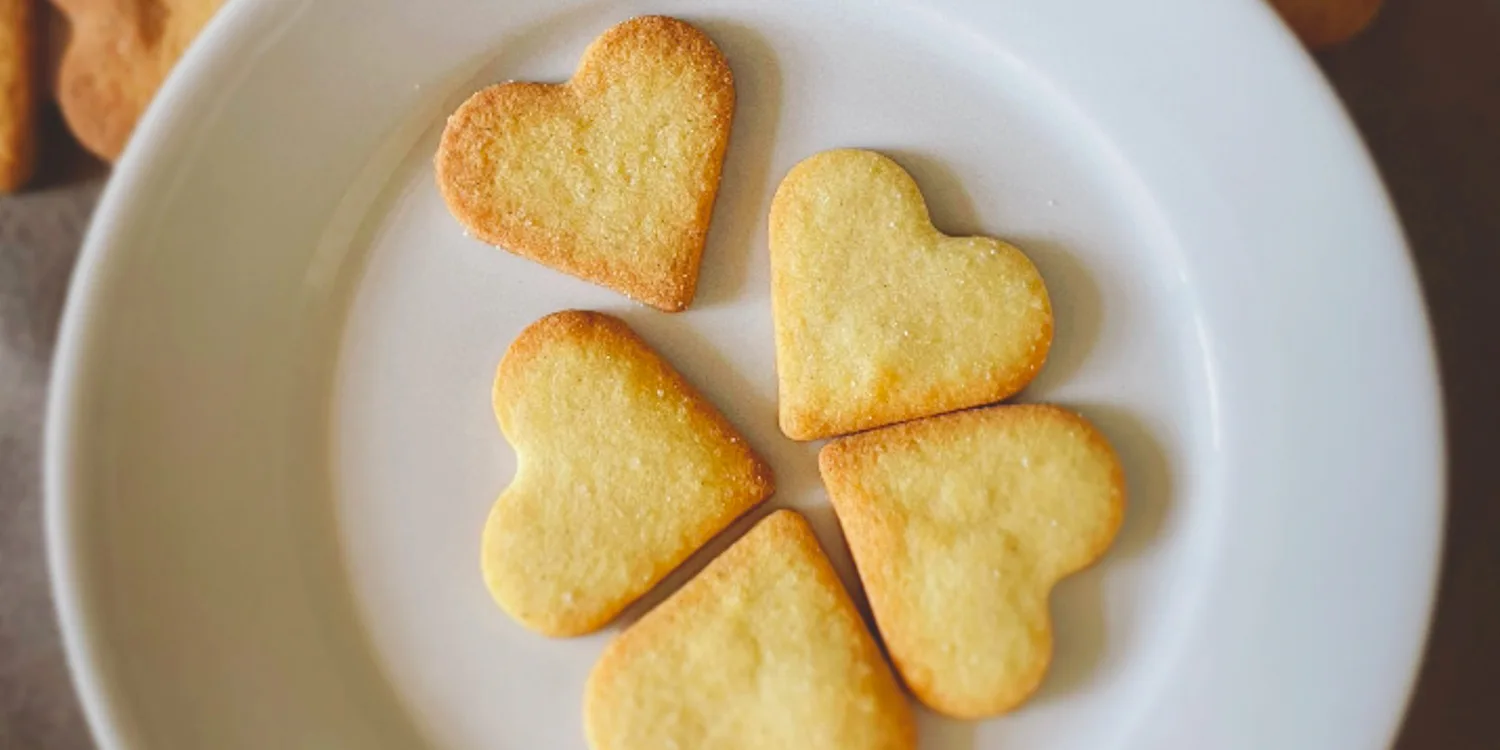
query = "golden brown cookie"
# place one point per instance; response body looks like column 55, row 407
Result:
column 623, row 471
column 118, row 54
column 611, row 176
column 18, row 78
column 960, row 525
column 881, row 318
column 763, row 649
column 1325, row 23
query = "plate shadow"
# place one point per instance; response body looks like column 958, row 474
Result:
column 744, row 189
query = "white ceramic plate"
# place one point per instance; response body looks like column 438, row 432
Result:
column 271, row 449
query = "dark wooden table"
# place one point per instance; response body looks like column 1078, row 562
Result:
column 1423, row 85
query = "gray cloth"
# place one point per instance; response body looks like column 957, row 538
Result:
column 39, row 236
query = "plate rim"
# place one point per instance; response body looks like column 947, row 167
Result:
column 234, row 29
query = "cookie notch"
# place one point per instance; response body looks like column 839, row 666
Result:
column 960, row 525
column 623, row 471
column 610, row 176
column 880, row 318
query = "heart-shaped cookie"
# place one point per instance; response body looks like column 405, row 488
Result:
column 881, row 318
column 611, row 176
column 960, row 525
column 624, row 470
column 763, row 649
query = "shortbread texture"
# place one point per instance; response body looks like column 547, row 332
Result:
column 623, row 471
column 960, row 526
column 881, row 318
column 611, row 176
column 763, row 649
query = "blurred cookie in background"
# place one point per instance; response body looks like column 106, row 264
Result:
column 117, row 54
column 1325, row 23
column 19, row 29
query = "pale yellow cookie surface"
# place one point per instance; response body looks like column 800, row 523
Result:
column 611, row 176
column 881, row 318
column 763, row 649
column 960, row 525
column 623, row 471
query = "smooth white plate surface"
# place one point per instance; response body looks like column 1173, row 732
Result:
column 271, row 449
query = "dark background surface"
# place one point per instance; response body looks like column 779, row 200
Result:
column 1423, row 85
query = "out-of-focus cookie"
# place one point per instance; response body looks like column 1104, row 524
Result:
column 1325, row 23
column 118, row 54
column 960, row 525
column 623, row 471
column 763, row 649
column 881, row 318
column 18, row 78
column 611, row 176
